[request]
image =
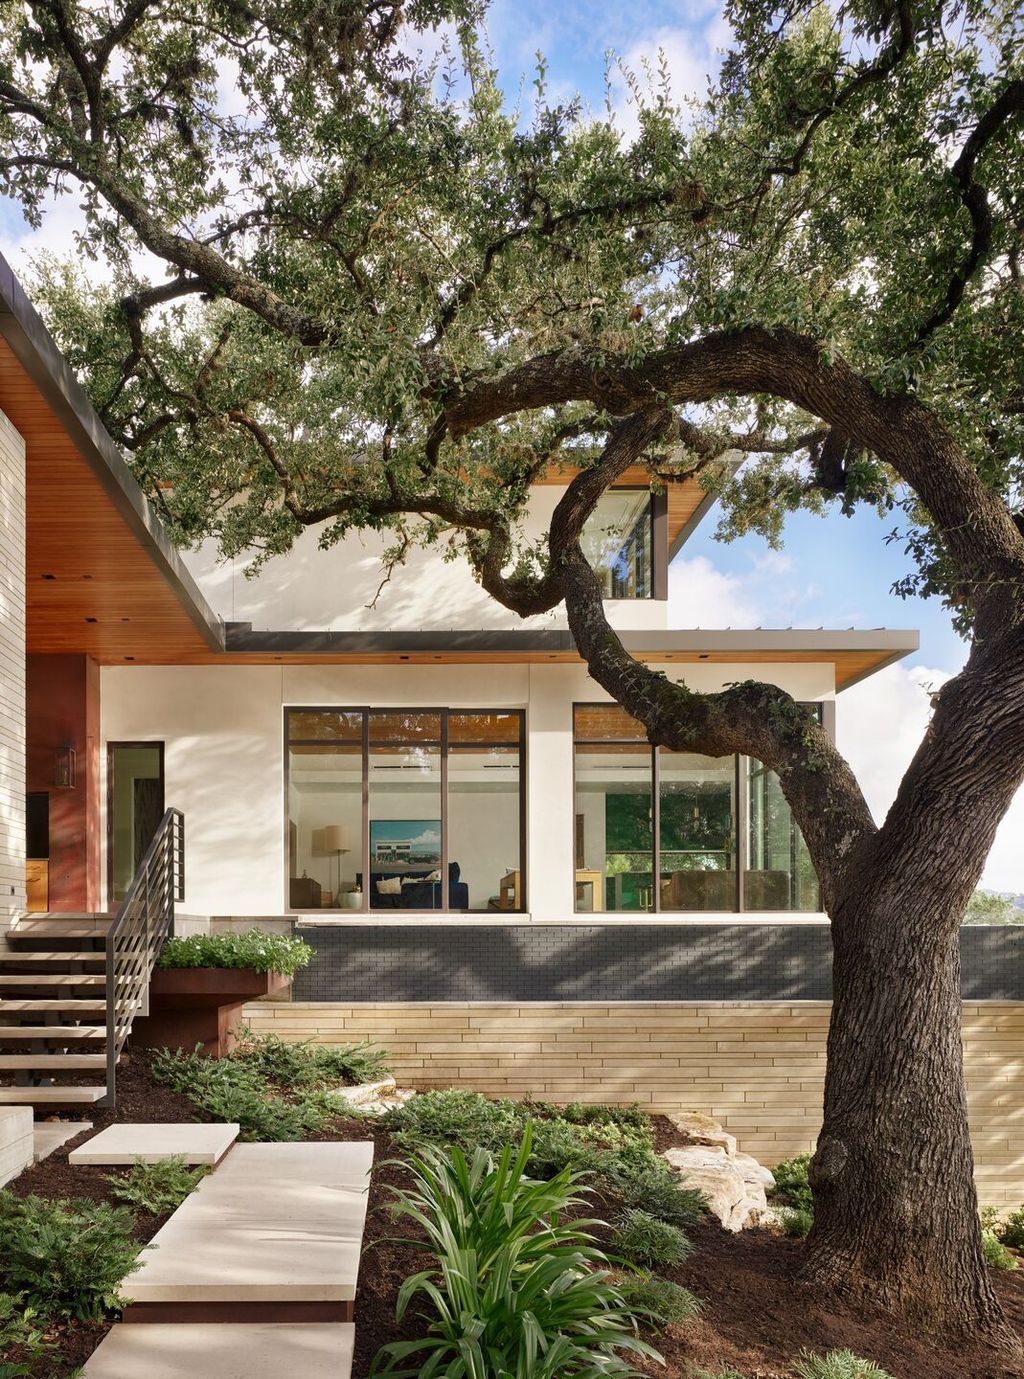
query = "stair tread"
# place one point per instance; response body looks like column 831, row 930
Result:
column 52, row 1061
column 18, row 1006
column 51, row 979
column 29, row 935
column 51, row 955
column 25, row 1032
column 63, row 1096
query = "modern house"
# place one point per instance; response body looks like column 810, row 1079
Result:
column 503, row 880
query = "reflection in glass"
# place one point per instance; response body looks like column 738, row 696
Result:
column 697, row 809
column 617, row 540
column 484, row 828
column 780, row 875
column 613, row 827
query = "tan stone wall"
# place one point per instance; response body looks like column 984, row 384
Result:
column 757, row 1068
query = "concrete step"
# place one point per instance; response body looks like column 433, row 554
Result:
column 125, row 1142
column 226, row 1350
column 276, row 1227
column 69, row 979
column 51, row 1062
column 77, row 1006
column 27, row 955
column 56, row 1034
column 50, row 1096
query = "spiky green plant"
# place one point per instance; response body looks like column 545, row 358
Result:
column 513, row 1288
column 837, row 1364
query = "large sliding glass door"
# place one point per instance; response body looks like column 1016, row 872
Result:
column 676, row 832
column 405, row 809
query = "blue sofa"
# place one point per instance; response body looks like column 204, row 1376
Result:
column 423, row 895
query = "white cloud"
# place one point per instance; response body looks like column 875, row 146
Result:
column 691, row 57
column 701, row 595
column 880, row 723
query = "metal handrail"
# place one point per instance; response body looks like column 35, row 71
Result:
column 137, row 935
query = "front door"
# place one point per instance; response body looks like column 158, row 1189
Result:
column 135, row 806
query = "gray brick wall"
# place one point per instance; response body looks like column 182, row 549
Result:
column 642, row 962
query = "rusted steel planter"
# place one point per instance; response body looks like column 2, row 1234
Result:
column 201, row 1005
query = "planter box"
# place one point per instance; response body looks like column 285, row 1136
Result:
column 201, row 1005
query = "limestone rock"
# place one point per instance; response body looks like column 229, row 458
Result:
column 733, row 1199
column 753, row 1172
column 703, row 1130
column 365, row 1092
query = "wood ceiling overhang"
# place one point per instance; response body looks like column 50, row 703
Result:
column 102, row 577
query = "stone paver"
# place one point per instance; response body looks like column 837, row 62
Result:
column 15, row 1141
column 224, row 1350
column 48, row 1135
column 124, row 1143
column 275, row 1223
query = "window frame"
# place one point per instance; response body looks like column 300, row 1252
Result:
column 740, row 823
column 442, row 745
column 658, row 518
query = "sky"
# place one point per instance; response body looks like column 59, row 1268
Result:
column 832, row 572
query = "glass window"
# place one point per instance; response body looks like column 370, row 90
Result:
column 136, row 771
column 697, row 831
column 779, row 874
column 386, row 809
column 698, row 849
column 618, row 541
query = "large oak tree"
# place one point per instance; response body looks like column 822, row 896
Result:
column 350, row 292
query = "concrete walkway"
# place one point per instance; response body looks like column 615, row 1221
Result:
column 223, row 1351
column 274, row 1234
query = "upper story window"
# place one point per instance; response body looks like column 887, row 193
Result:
column 618, row 541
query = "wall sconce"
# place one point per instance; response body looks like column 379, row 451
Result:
column 65, row 774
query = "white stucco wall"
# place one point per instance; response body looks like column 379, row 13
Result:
column 223, row 729
column 314, row 590
column 12, row 672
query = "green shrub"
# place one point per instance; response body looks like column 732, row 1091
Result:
column 792, row 1186
column 659, row 1301
column 654, row 1187
column 997, row 1256
column 796, row 1221
column 262, row 952
column 1012, row 1232
column 837, row 1364
column 466, row 1119
column 68, row 1258
column 21, row 1336
column 229, row 1089
column 644, row 1239
column 158, row 1187
column 514, row 1289
column 714, row 1374
column 305, row 1064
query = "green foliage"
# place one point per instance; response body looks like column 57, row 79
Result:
column 990, row 907
column 643, row 1239
column 156, row 1187
column 1012, row 1232
column 792, row 1183
column 514, row 1289
column 274, row 1091
column 305, row 1064
column 22, row 1341
column 997, row 1256
column 837, row 1364
column 68, row 1258
column 796, row 1221
column 256, row 950
column 466, row 1119
column 659, row 1301
column 653, row 1186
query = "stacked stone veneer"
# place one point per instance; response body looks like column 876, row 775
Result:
column 757, row 1067
column 12, row 673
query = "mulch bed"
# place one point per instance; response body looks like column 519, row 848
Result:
column 757, row 1316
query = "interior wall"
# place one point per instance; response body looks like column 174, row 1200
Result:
column 224, row 733
column 63, row 708
column 12, row 673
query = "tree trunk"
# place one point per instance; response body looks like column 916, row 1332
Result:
column 895, row 1208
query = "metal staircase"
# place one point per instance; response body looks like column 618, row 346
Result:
column 71, row 985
